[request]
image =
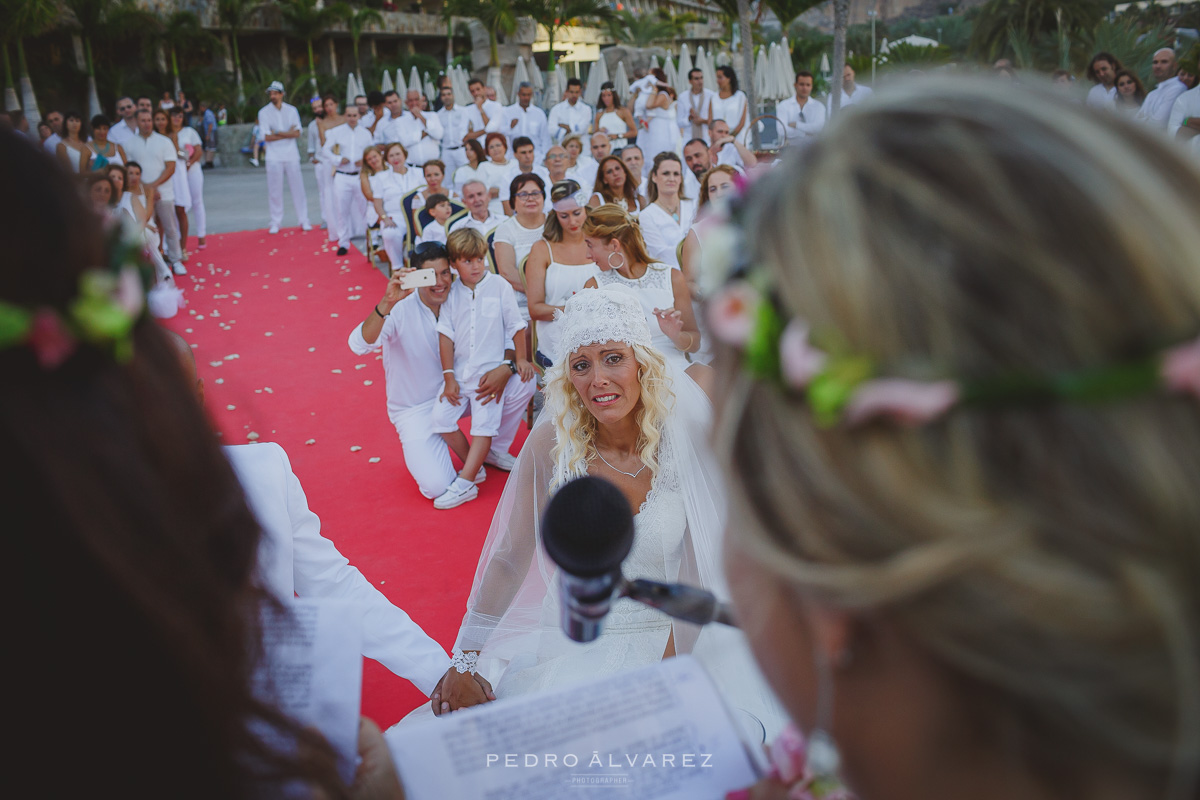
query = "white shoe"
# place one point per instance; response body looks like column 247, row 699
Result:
column 480, row 476
column 254, row 161
column 274, row 229
column 500, row 460
column 456, row 495
column 179, row 268
column 186, row 256
column 306, row 227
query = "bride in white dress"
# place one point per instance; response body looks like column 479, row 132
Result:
column 615, row 409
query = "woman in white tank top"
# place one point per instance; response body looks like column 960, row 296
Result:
column 613, row 118
column 558, row 265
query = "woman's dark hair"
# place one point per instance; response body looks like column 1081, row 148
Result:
column 475, row 147
column 521, row 180
column 665, row 85
column 1139, row 94
column 161, row 112
column 651, row 186
column 553, row 230
column 629, row 193
column 729, row 72
column 100, row 121
column 615, row 96
column 111, row 168
column 135, row 544
column 100, row 177
column 83, row 130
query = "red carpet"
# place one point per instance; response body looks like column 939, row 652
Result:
column 269, row 317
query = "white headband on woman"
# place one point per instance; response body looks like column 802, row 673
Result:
column 572, row 201
column 592, row 316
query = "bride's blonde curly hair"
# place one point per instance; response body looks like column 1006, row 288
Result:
column 575, row 427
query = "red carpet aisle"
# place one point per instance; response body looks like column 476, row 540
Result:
column 269, row 317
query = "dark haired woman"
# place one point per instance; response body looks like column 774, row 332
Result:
column 73, row 151
column 730, row 103
column 612, row 117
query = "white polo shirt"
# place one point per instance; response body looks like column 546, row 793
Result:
column 153, row 153
column 280, row 120
column 577, row 117
column 484, row 227
column 482, row 323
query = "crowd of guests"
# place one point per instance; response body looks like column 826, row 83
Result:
column 1173, row 105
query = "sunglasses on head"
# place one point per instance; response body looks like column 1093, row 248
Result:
column 429, row 250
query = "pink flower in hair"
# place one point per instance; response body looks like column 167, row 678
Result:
column 908, row 402
column 789, row 754
column 731, row 313
column 1181, row 368
column 799, row 361
column 50, row 340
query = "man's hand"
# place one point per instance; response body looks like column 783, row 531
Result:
column 492, row 384
column 393, row 293
column 375, row 778
column 451, row 390
column 513, row 124
column 525, row 370
column 344, row 161
column 565, row 126
column 460, row 690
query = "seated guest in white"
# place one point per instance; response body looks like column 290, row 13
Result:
column 668, row 217
column 802, row 117
column 572, row 115
column 295, row 559
column 616, row 184
column 699, row 159
column 852, row 93
column 727, row 150
column 518, row 233
column 434, row 173
column 385, row 188
column 497, row 171
column 473, row 170
column 1156, row 108
column 523, row 118
column 633, row 157
column 441, row 211
column 718, row 182
column 525, row 156
column 475, row 197
column 404, row 325
column 578, row 164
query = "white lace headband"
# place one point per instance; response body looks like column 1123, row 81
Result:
column 591, row 316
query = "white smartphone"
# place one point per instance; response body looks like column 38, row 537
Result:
column 422, row 277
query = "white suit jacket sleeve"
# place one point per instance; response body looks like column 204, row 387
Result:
column 433, row 124
column 390, row 636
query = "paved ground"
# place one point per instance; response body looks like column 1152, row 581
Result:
column 236, row 199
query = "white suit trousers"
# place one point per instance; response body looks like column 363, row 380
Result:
column 329, row 216
column 393, row 242
column 195, row 178
column 275, row 172
column 453, row 159
column 426, row 454
column 168, row 223
column 351, row 206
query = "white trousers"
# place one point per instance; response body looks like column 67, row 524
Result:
column 426, row 454
column 168, row 223
column 453, row 159
column 444, row 417
column 393, row 242
column 351, row 207
column 195, row 178
column 324, row 175
column 275, row 172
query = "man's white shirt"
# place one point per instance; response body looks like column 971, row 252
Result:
column 1186, row 105
column 861, row 93
column 120, row 132
column 153, row 153
column 280, row 120
column 1156, row 108
column 701, row 104
column 349, row 143
column 1099, row 97
column 577, row 117
column 412, row 361
column 801, row 122
column 484, row 226
column 531, row 122
column 411, row 132
column 456, row 123
column 481, row 322
column 51, row 143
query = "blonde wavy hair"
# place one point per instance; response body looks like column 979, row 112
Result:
column 575, row 427
column 1047, row 555
column 610, row 221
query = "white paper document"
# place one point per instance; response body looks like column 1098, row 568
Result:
column 657, row 733
column 312, row 670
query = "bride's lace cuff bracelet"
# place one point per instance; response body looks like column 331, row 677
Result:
column 464, row 662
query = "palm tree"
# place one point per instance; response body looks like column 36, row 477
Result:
column 181, row 31
column 357, row 21
column 308, row 19
column 498, row 17
column 234, row 14
column 841, row 17
column 105, row 19
column 788, row 11
column 1031, row 19
column 25, row 18
column 554, row 15
column 641, row 30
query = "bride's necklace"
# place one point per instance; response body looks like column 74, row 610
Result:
column 614, row 469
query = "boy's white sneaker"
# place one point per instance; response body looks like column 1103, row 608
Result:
column 500, row 460
column 480, row 476
column 458, row 493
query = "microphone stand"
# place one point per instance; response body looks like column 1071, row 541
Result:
column 679, row 601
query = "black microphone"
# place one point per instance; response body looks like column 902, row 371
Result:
column 587, row 529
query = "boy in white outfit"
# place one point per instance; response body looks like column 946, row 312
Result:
column 479, row 324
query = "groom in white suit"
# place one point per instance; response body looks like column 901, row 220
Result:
column 294, row 558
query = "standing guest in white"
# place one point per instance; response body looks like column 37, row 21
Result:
column 419, row 131
column 727, row 150
column 663, row 131
column 126, row 126
column 55, row 120
column 729, row 104
column 295, row 559
column 695, row 108
column 156, row 155
column 329, row 119
column 852, row 93
column 474, row 169
column 572, row 115
column 489, row 114
column 669, row 216
column 613, row 118
column 496, row 172
column 1156, row 108
column 344, row 146
column 457, row 124
column 523, row 118
column 280, row 126
column 480, row 218
column 1102, row 71
column 803, row 118
column 1184, row 125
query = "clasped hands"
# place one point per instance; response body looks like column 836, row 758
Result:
column 460, row 690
